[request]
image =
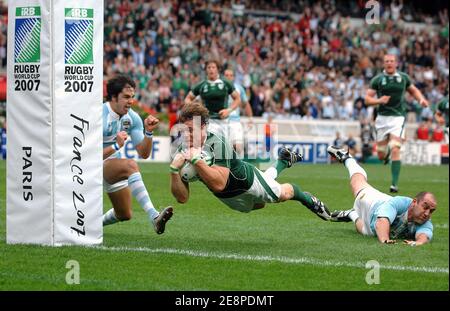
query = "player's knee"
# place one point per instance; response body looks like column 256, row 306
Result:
column 132, row 167
column 124, row 216
column 287, row 192
column 259, row 205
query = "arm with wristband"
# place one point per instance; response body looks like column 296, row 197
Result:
column 120, row 141
column 179, row 188
column 144, row 148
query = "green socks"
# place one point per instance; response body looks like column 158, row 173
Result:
column 280, row 165
column 303, row 197
column 395, row 170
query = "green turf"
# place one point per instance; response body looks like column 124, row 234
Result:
column 204, row 235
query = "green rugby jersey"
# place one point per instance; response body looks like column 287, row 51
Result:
column 214, row 95
column 241, row 173
column 394, row 86
column 442, row 107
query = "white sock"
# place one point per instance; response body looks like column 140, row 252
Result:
column 271, row 172
column 109, row 218
column 353, row 216
column 354, row 168
column 140, row 193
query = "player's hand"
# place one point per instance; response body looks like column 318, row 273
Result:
column 383, row 100
column 121, row 138
column 150, row 123
column 191, row 153
column 178, row 161
column 410, row 242
column 423, row 102
column 224, row 113
column 390, row 242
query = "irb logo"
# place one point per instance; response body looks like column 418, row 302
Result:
column 79, row 36
column 27, row 35
column 79, row 13
column 27, row 11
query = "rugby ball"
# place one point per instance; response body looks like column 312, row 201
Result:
column 188, row 172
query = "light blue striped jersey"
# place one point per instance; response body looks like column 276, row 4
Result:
column 396, row 210
column 113, row 124
column 235, row 115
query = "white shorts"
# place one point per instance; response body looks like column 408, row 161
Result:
column 364, row 203
column 219, row 127
column 109, row 188
column 264, row 189
column 386, row 125
column 115, row 187
column 236, row 132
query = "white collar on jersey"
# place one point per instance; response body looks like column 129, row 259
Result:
column 111, row 112
column 395, row 74
column 215, row 81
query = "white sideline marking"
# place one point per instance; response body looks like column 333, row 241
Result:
column 301, row 260
column 441, row 226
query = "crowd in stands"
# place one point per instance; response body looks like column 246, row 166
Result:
column 297, row 59
column 312, row 64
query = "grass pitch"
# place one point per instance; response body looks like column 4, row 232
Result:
column 208, row 246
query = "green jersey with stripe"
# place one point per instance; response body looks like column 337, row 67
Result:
column 442, row 107
column 241, row 173
column 394, row 86
column 214, row 95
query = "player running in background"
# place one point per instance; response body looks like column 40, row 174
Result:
column 441, row 115
column 387, row 90
column 236, row 183
column 121, row 176
column 214, row 93
column 377, row 214
column 236, row 131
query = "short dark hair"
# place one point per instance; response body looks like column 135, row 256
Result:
column 419, row 197
column 194, row 109
column 116, row 84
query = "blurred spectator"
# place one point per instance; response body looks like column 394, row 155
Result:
column 351, row 145
column 437, row 134
column 367, row 139
column 424, row 130
column 338, row 141
column 301, row 58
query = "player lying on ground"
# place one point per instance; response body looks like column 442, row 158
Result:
column 387, row 217
column 236, row 183
column 121, row 176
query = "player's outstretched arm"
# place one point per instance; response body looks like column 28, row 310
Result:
column 421, row 239
column 382, row 227
column 215, row 177
column 179, row 188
